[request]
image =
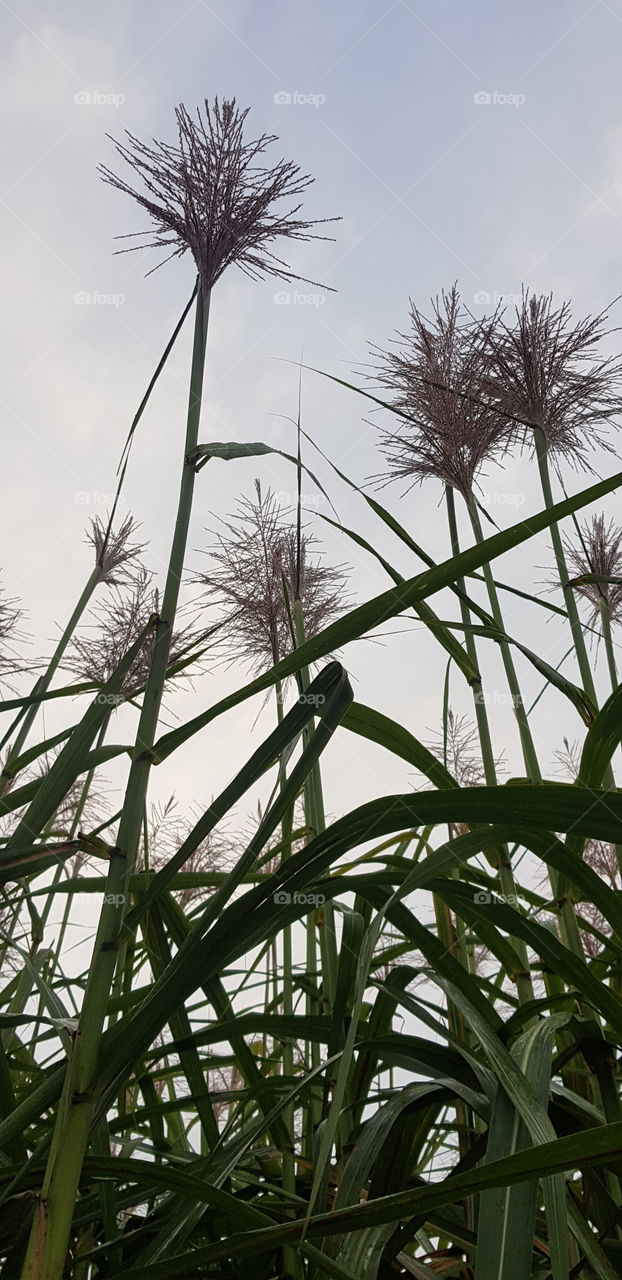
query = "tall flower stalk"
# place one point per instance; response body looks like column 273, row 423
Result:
column 211, row 195
column 449, row 433
column 545, row 371
column 114, row 555
column 597, row 554
column 273, row 591
column 446, row 432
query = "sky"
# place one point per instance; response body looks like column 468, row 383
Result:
column 479, row 143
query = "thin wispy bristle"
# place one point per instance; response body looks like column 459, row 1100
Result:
column 546, row 370
column 167, row 831
column 598, row 550
column 435, row 377
column 118, row 621
column 253, row 563
column 10, row 615
column 114, row 553
column 212, row 196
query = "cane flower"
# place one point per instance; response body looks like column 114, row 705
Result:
column 547, row 370
column 598, row 551
column 116, row 624
column 167, row 832
column 10, row 615
column 213, row 195
column 257, row 568
column 114, row 554
column 446, row 429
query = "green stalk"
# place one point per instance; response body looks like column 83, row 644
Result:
column 605, row 618
column 455, row 944
column 569, row 597
column 291, row 1257
column 315, row 819
column 481, row 715
column 532, row 766
column 605, row 615
column 47, row 1248
column 569, row 927
column 59, row 872
column 322, row 918
column 562, row 569
column 24, row 986
column 507, row 883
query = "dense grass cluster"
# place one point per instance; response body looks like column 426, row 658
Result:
column 265, row 1062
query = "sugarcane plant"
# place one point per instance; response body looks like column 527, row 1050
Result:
column 344, row 1037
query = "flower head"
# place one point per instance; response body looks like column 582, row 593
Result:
column 457, row 749
column 118, row 622
column 598, row 551
column 447, row 430
column 547, row 370
column 10, row 615
column 254, row 575
column 113, row 552
column 212, row 194
column 167, row 831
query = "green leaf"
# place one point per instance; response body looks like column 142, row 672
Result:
column 507, row 1215
column 73, row 760
column 247, row 449
column 387, row 733
column 381, row 608
column 591, row 1147
column 601, row 740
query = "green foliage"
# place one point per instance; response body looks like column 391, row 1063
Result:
column 296, row 1060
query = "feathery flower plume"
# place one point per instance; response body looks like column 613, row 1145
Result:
column 113, row 551
column 213, row 195
column 253, row 575
column 118, row 622
column 547, row 370
column 598, row 551
column 167, row 831
column 458, row 751
column 10, row 616
column 435, row 378
column 92, row 813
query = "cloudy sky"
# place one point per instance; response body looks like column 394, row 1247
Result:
column 476, row 142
